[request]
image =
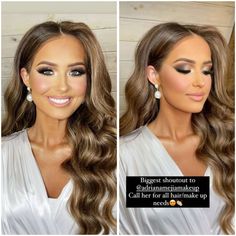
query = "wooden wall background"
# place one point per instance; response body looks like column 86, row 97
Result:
column 136, row 18
column 18, row 17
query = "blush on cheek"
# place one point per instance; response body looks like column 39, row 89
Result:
column 80, row 87
column 41, row 85
column 176, row 82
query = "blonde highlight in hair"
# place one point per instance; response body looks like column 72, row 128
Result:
column 91, row 129
column 214, row 124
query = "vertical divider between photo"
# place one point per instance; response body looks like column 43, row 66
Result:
column 118, row 101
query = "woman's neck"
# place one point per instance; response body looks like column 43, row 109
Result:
column 172, row 123
column 48, row 131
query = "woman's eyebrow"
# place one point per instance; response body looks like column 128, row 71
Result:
column 192, row 61
column 47, row 63
column 54, row 64
column 207, row 62
column 76, row 64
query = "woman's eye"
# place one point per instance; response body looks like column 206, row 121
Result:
column 77, row 72
column 208, row 72
column 182, row 71
column 45, row 71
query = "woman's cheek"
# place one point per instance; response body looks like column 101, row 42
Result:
column 41, row 85
column 79, row 86
column 175, row 82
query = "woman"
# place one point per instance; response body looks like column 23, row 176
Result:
column 181, row 123
column 58, row 149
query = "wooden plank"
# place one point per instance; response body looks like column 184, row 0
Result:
column 26, row 21
column 191, row 12
column 110, row 59
column 113, row 94
column 106, row 38
column 7, row 67
column 126, row 69
column 113, row 81
column 122, row 86
column 4, row 84
column 220, row 3
column 2, row 107
column 140, row 27
column 121, row 112
column 127, row 50
column 122, row 102
column 60, row 7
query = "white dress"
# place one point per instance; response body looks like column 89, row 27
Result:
column 142, row 154
column 26, row 208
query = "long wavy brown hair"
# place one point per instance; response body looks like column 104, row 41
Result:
column 91, row 129
column 214, row 124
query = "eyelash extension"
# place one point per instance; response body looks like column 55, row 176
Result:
column 208, row 72
column 45, row 71
column 79, row 72
column 49, row 72
column 182, row 71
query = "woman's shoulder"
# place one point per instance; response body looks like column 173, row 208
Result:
column 135, row 143
column 13, row 140
column 132, row 137
column 13, row 151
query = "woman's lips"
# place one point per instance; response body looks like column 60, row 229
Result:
column 197, row 97
column 59, row 101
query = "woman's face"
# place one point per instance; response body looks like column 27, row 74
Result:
column 57, row 77
column 185, row 75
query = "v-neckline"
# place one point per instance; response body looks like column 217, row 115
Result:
column 39, row 175
column 156, row 139
column 197, row 211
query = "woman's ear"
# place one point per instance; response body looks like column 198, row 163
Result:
column 152, row 75
column 25, row 77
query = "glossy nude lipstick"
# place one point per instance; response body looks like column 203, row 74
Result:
column 59, row 101
column 197, row 97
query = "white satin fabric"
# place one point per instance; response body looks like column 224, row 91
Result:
column 142, row 154
column 26, row 208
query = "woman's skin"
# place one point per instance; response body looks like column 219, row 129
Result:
column 182, row 94
column 58, row 82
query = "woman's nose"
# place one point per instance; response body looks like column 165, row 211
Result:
column 62, row 83
column 199, row 80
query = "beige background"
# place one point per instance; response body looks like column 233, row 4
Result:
column 18, row 17
column 136, row 18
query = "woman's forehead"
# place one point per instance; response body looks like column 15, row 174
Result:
column 192, row 47
column 64, row 48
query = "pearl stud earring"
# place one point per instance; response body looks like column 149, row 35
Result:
column 29, row 95
column 157, row 93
